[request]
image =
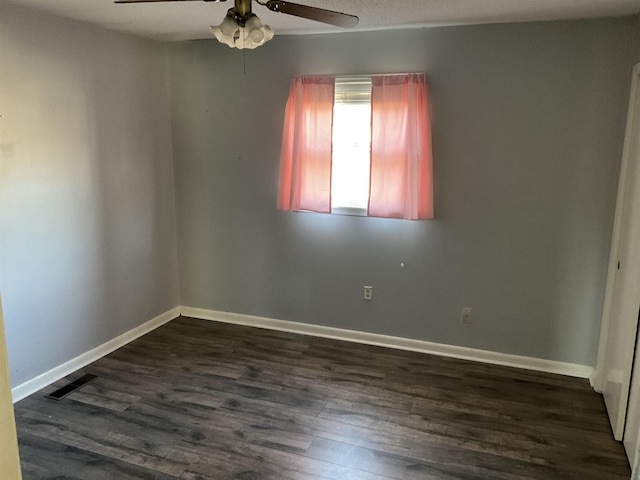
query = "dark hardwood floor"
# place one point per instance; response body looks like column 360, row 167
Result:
column 198, row 400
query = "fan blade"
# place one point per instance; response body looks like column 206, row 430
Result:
column 313, row 13
column 153, row 1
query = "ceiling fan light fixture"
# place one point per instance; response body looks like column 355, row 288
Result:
column 227, row 31
column 236, row 33
column 255, row 33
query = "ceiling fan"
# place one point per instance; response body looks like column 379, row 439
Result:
column 241, row 28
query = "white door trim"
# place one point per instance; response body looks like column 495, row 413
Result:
column 623, row 285
column 598, row 376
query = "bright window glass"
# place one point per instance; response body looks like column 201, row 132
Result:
column 351, row 146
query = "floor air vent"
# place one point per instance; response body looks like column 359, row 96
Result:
column 62, row 392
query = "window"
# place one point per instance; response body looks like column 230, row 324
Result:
column 358, row 145
column 351, row 139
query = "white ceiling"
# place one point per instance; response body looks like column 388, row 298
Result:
column 190, row 20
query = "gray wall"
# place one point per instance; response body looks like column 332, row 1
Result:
column 528, row 132
column 87, row 218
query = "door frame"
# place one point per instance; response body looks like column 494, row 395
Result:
column 9, row 456
column 630, row 162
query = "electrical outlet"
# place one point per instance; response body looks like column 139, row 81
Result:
column 466, row 315
column 368, row 292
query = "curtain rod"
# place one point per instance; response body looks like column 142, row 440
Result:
column 377, row 74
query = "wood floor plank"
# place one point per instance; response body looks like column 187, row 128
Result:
column 143, row 452
column 199, row 400
column 64, row 460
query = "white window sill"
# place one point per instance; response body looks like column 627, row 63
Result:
column 353, row 211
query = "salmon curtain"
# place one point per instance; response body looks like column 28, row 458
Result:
column 401, row 155
column 305, row 159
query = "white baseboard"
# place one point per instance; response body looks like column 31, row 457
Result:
column 61, row 371
column 484, row 356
